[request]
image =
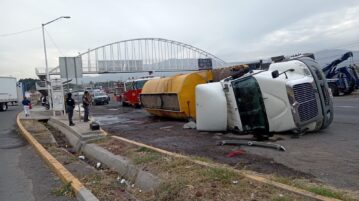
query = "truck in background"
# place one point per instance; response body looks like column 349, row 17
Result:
column 293, row 95
column 119, row 88
column 132, row 90
column 342, row 79
column 8, row 92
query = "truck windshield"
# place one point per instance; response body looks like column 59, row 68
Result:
column 129, row 86
column 250, row 105
column 139, row 84
column 133, row 85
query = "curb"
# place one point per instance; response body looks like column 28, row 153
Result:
column 71, row 136
column 248, row 175
column 145, row 180
column 82, row 193
column 76, row 140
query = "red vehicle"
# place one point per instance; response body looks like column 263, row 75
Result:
column 132, row 90
column 118, row 91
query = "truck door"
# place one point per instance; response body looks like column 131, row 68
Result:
column 250, row 105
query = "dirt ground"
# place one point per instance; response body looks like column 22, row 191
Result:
column 136, row 124
column 184, row 180
column 105, row 185
column 181, row 179
column 103, row 182
column 312, row 156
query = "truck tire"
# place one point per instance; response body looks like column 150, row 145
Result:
column 334, row 88
column 3, row 106
column 350, row 90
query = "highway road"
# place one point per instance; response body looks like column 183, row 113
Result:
column 331, row 154
column 23, row 175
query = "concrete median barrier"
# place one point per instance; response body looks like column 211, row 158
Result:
column 81, row 192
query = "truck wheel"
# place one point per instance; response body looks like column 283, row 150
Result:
column 124, row 103
column 350, row 90
column 3, row 106
column 334, row 88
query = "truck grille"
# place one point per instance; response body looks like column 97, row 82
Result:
column 305, row 96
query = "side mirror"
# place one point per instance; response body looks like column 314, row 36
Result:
column 275, row 74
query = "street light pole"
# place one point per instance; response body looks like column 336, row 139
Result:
column 46, row 65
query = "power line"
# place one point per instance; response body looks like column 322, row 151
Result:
column 53, row 42
column 19, row 32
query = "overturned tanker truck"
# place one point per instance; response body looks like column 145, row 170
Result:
column 292, row 95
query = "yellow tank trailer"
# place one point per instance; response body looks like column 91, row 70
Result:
column 173, row 96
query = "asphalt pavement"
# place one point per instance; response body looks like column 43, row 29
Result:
column 332, row 154
column 23, row 175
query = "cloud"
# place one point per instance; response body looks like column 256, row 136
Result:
column 321, row 31
column 233, row 30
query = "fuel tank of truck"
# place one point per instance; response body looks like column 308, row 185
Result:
column 174, row 96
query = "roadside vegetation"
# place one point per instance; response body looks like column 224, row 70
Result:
column 64, row 190
column 317, row 188
column 181, row 179
column 185, row 180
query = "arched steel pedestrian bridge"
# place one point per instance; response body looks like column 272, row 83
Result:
column 142, row 55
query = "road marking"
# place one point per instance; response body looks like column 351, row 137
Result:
column 345, row 106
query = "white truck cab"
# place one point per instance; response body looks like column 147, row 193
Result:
column 291, row 96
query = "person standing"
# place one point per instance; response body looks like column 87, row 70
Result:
column 70, row 106
column 26, row 103
column 43, row 101
column 86, row 101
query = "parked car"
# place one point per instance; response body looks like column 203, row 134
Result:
column 100, row 98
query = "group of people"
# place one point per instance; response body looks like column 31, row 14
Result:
column 70, row 106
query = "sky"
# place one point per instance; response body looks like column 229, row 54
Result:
column 233, row 30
